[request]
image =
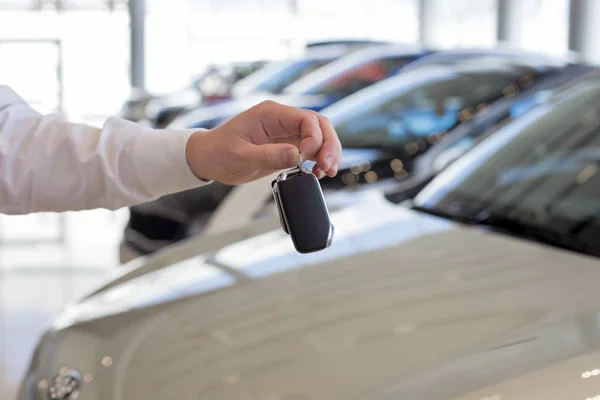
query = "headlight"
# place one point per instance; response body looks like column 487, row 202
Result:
column 65, row 385
column 57, row 371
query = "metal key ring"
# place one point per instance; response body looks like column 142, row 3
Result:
column 300, row 160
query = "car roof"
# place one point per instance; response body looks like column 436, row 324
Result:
column 566, row 90
column 326, row 51
column 349, row 61
column 345, row 42
column 526, row 58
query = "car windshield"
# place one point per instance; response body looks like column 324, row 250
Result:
column 295, row 71
column 539, row 171
column 357, row 77
column 416, row 115
column 277, row 75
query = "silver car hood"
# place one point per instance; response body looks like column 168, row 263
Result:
column 402, row 306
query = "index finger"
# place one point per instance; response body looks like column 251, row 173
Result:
column 285, row 124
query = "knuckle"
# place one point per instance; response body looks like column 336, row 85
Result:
column 237, row 158
column 315, row 123
column 267, row 104
column 324, row 119
column 315, row 115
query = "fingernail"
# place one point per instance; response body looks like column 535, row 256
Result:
column 291, row 156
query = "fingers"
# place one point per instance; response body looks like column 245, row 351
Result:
column 330, row 154
column 271, row 156
column 313, row 133
column 290, row 124
column 318, row 171
column 292, row 140
column 311, row 138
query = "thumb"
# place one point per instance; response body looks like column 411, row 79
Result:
column 273, row 156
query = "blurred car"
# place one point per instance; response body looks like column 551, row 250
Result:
column 156, row 224
column 316, row 90
column 134, row 107
column 383, row 129
column 275, row 76
column 216, row 83
column 355, row 72
column 271, row 78
column 212, row 85
column 485, row 284
column 467, row 135
column 345, row 42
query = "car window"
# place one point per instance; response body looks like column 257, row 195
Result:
column 276, row 75
column 544, row 165
column 425, row 112
column 295, row 71
column 361, row 76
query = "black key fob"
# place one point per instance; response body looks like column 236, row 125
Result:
column 302, row 210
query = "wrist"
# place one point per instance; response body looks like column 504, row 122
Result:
column 197, row 154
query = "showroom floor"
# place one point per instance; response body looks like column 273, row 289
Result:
column 41, row 275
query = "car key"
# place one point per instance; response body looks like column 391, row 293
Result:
column 302, row 210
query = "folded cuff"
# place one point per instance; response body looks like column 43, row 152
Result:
column 161, row 164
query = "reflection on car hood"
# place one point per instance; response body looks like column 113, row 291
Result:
column 400, row 301
column 230, row 108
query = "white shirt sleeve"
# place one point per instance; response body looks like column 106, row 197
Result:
column 48, row 164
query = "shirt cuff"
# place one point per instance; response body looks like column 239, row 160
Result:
column 160, row 162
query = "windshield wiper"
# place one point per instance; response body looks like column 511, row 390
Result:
column 537, row 232
column 515, row 226
column 463, row 218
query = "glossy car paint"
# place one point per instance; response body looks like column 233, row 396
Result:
column 403, row 305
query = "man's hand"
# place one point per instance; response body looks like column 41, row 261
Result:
column 263, row 140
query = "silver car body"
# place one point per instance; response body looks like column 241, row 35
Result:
column 402, row 306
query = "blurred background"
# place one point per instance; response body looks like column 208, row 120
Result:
column 89, row 60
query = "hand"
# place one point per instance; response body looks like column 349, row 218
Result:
column 262, row 140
